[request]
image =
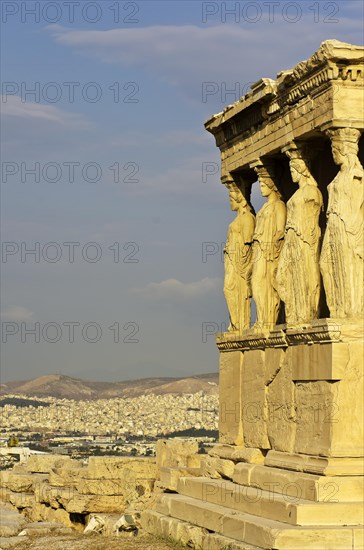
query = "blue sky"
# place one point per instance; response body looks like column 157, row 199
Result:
column 114, row 131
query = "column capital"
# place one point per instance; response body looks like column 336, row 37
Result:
column 343, row 134
column 264, row 168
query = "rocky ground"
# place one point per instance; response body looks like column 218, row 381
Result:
column 83, row 542
column 16, row 532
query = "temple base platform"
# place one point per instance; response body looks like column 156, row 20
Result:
column 288, row 471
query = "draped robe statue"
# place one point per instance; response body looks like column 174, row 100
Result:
column 237, row 260
column 267, row 244
column 298, row 275
column 341, row 261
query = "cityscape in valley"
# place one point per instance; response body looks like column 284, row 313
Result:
column 128, row 425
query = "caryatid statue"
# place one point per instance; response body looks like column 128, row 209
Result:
column 298, row 275
column 341, row 261
column 267, row 244
column 237, row 259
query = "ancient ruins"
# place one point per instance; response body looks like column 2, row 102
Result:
column 287, row 473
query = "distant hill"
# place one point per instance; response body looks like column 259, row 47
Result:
column 66, row 387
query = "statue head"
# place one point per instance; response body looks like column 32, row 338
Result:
column 266, row 182
column 299, row 171
column 237, row 199
column 299, row 164
column 237, row 196
column 344, row 144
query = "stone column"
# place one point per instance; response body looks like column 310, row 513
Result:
column 267, row 244
column 341, row 260
column 237, row 258
column 298, row 275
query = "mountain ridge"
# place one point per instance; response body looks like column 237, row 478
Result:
column 67, row 387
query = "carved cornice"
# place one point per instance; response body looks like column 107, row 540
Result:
column 251, row 339
column 330, row 51
column 334, row 62
column 313, row 84
column 320, row 331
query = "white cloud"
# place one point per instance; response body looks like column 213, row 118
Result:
column 187, row 55
column 13, row 106
column 172, row 289
column 16, row 313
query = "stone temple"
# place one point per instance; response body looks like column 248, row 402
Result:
column 287, row 473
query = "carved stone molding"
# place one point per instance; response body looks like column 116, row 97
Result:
column 251, row 339
column 320, row 331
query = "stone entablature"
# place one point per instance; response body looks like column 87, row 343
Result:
column 323, row 92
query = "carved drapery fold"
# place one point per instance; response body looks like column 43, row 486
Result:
column 267, row 243
column 238, row 258
column 298, row 275
column 342, row 255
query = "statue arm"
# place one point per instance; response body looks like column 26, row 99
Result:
column 313, row 194
column 248, row 229
column 280, row 221
column 280, row 227
column 246, row 247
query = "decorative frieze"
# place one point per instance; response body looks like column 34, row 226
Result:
column 321, row 331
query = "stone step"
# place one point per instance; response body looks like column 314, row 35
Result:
column 299, row 484
column 327, row 466
column 270, row 505
column 190, row 535
column 169, row 476
column 257, row 531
